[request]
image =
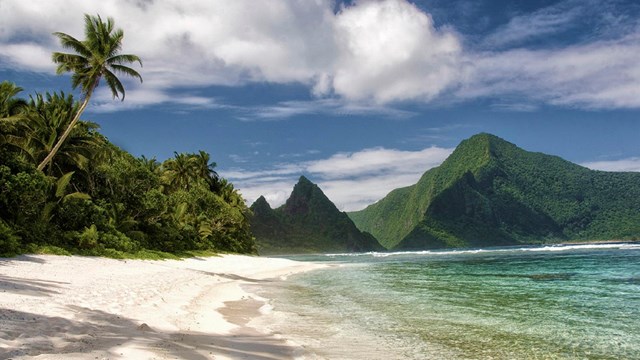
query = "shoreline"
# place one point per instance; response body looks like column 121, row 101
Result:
column 597, row 242
column 73, row 307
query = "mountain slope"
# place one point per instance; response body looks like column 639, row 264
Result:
column 490, row 192
column 307, row 223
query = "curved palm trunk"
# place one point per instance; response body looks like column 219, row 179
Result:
column 66, row 133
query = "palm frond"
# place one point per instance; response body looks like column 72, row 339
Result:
column 68, row 62
column 69, row 42
column 114, row 84
column 76, row 195
column 114, row 43
column 62, row 184
column 127, row 71
column 123, row 59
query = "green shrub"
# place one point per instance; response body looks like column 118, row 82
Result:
column 9, row 242
column 88, row 239
column 77, row 214
column 118, row 241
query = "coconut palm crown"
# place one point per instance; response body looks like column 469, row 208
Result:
column 95, row 57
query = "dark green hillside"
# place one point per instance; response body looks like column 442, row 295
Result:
column 307, row 223
column 490, row 192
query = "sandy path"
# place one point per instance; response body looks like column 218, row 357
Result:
column 70, row 307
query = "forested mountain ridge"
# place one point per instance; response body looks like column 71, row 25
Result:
column 490, row 192
column 307, row 223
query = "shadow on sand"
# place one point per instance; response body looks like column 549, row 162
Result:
column 4, row 261
column 94, row 330
column 31, row 287
column 233, row 277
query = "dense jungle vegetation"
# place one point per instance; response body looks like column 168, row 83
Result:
column 95, row 198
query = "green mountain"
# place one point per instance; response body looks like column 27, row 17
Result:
column 489, row 192
column 307, row 223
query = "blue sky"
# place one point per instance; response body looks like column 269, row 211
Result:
column 360, row 96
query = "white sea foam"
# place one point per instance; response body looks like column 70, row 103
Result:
column 565, row 247
column 546, row 248
column 266, row 309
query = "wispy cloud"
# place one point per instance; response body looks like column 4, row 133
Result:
column 543, row 22
column 137, row 98
column 514, row 107
column 439, row 134
column 629, row 164
column 598, row 75
column 336, row 107
column 299, row 155
column 351, row 180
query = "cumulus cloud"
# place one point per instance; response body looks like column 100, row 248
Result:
column 184, row 43
column 629, row 164
column 351, row 180
column 389, row 51
column 376, row 51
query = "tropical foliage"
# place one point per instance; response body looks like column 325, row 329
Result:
column 95, row 198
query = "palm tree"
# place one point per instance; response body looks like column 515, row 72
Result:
column 178, row 172
column 203, row 169
column 151, row 164
column 9, row 104
column 10, row 109
column 96, row 57
column 45, row 118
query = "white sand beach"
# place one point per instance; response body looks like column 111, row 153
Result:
column 71, row 307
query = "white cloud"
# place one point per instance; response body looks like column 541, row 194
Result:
column 377, row 161
column 287, row 109
column 372, row 50
column 603, row 74
column 140, row 97
column 358, row 193
column 543, row 22
column 629, row 164
column 390, row 50
column 514, row 107
column 350, row 180
column 29, row 56
column 359, row 58
column 184, row 43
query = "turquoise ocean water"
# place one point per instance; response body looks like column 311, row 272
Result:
column 548, row 302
